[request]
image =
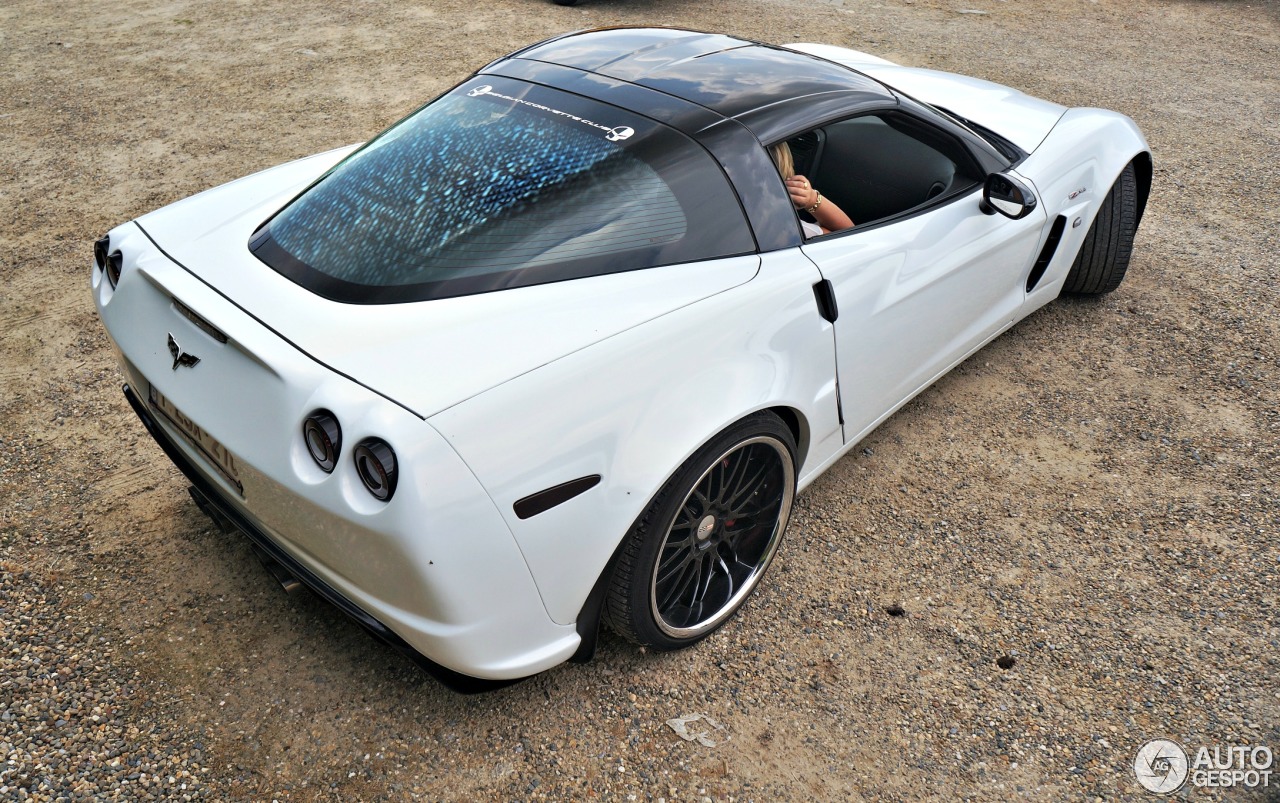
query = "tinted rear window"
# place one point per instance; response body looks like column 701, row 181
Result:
column 500, row 184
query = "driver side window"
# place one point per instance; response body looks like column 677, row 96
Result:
column 882, row 165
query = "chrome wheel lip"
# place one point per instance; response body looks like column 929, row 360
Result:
column 748, row 585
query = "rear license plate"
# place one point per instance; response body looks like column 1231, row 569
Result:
column 214, row 452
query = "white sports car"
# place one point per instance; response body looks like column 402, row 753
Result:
column 556, row 348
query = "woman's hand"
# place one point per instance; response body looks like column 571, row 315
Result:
column 802, row 193
column 828, row 216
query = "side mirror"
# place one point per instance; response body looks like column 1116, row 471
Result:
column 1007, row 195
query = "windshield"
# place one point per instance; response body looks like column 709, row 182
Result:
column 502, row 184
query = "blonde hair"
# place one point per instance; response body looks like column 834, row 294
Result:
column 781, row 154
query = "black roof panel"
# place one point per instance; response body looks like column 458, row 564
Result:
column 628, row 50
column 731, row 76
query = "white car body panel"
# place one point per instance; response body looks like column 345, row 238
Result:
column 1023, row 120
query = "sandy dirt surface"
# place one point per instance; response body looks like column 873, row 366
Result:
column 1092, row 496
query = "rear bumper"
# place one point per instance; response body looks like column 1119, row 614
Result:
column 211, row 494
column 435, row 571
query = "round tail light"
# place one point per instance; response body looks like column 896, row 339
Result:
column 100, row 248
column 110, row 261
column 324, row 439
column 115, row 261
column 376, row 465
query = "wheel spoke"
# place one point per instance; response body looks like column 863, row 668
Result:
column 689, row 513
column 669, row 564
column 731, row 473
column 683, row 519
column 706, row 573
column 754, row 507
column 750, row 487
column 675, row 592
column 704, row 500
column 684, row 541
column 735, row 555
column 728, row 575
column 750, row 516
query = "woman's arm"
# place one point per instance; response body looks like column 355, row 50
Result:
column 829, row 216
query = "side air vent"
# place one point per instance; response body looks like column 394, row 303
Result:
column 534, row 504
column 1046, row 254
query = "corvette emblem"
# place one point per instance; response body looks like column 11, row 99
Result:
column 179, row 356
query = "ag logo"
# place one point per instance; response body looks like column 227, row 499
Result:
column 1161, row 766
column 620, row 133
column 179, row 356
column 480, row 90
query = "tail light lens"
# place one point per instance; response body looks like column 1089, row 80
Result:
column 110, row 261
column 324, row 439
column 376, row 465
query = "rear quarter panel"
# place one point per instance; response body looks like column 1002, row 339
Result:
column 632, row 408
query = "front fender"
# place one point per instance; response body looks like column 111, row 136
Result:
column 635, row 406
column 1073, row 169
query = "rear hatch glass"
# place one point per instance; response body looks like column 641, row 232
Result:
column 502, row 183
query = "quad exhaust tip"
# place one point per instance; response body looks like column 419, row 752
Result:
column 282, row 576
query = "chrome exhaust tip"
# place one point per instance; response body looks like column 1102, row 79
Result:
column 282, row 576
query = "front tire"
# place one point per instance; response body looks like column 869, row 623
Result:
column 705, row 541
column 1104, row 256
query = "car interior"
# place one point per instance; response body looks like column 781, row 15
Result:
column 880, row 166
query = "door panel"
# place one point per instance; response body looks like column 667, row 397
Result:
column 917, row 295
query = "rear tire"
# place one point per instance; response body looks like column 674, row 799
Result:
column 699, row 550
column 1104, row 256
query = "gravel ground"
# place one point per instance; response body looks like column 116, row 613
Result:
column 1065, row 548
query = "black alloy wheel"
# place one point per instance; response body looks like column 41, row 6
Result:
column 707, row 539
